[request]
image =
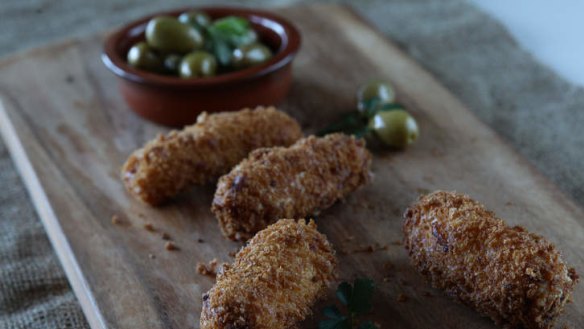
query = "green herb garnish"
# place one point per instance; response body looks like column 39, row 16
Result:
column 351, row 123
column 231, row 25
column 356, row 300
column 375, row 105
column 219, row 46
column 226, row 34
column 356, row 122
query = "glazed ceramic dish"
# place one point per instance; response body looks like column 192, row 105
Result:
column 172, row 101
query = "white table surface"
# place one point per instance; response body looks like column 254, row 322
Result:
column 552, row 30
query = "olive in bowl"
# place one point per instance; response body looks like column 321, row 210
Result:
column 188, row 82
column 168, row 35
column 193, row 45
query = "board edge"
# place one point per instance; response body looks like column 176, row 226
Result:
column 49, row 220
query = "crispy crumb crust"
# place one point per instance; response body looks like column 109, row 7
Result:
column 515, row 277
column 273, row 281
column 202, row 152
column 292, row 182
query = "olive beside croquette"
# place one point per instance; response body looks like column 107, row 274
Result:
column 517, row 278
column 202, row 152
column 273, row 281
column 293, row 182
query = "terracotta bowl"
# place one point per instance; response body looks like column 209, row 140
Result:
column 173, row 101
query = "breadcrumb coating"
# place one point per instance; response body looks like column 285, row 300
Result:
column 273, row 281
column 293, row 182
column 516, row 278
column 201, row 153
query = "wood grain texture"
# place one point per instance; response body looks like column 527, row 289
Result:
column 69, row 132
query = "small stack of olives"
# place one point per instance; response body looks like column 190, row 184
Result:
column 194, row 46
column 378, row 117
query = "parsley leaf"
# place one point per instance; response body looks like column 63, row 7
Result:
column 361, row 299
column 332, row 312
column 340, row 323
column 220, row 46
column 344, row 293
column 390, row 107
column 226, row 34
column 367, row 325
column 357, row 300
column 370, row 106
column 351, row 123
column 356, row 122
column 336, row 319
column 232, row 25
column 374, row 105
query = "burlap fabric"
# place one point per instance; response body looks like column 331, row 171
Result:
column 536, row 111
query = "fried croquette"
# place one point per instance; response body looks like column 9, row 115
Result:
column 201, row 153
column 516, row 278
column 292, row 182
column 273, row 281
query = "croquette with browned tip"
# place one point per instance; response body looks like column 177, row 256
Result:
column 201, row 153
column 293, row 182
column 516, row 278
column 273, row 281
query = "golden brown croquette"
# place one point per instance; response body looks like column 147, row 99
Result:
column 293, row 182
column 273, row 281
column 202, row 152
column 516, row 278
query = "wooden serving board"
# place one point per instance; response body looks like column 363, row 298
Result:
column 69, row 132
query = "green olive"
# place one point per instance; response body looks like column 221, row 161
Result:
column 195, row 18
column 395, row 128
column 250, row 55
column 172, row 63
column 198, row 64
column 383, row 91
column 141, row 56
column 248, row 38
column 167, row 34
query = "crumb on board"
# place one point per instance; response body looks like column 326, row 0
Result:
column 116, row 220
column 232, row 253
column 368, row 248
column 371, row 248
column 149, row 227
column 349, row 238
column 151, row 256
column 402, row 298
column 397, row 243
column 199, row 240
column 208, row 269
column 165, row 236
column 386, row 279
column 170, row 246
